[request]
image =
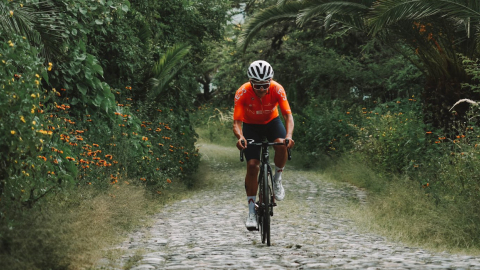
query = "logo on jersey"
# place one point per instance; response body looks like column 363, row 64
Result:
column 240, row 94
column 282, row 93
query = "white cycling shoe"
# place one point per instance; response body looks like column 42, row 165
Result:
column 251, row 222
column 279, row 190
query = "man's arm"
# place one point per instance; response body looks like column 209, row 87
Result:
column 289, row 124
column 237, row 130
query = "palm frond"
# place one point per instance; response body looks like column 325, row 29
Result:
column 166, row 69
column 388, row 12
column 270, row 16
column 37, row 22
column 345, row 9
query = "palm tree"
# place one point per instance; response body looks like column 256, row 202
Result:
column 38, row 22
column 440, row 32
column 165, row 70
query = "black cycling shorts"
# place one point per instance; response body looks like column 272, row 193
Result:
column 272, row 130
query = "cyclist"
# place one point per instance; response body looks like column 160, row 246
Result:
column 256, row 108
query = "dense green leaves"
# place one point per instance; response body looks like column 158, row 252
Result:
column 82, row 117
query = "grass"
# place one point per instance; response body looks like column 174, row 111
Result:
column 74, row 232
column 400, row 210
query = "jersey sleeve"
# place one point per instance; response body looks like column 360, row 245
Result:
column 238, row 110
column 282, row 101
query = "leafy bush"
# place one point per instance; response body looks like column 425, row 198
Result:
column 47, row 148
column 392, row 135
column 26, row 132
column 215, row 124
column 324, row 128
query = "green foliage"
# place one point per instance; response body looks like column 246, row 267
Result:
column 215, row 123
column 324, row 128
column 26, row 177
column 393, row 135
column 65, row 125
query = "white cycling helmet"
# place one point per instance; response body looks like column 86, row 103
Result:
column 260, row 71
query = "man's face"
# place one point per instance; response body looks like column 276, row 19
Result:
column 260, row 87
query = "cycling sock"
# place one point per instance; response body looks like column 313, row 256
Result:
column 251, row 204
column 278, row 173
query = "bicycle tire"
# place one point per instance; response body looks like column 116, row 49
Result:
column 261, row 205
column 266, row 200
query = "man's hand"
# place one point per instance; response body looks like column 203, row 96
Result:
column 291, row 143
column 241, row 145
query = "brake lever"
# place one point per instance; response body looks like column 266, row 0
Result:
column 241, row 151
column 287, row 141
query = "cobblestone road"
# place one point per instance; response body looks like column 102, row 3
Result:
column 207, row 231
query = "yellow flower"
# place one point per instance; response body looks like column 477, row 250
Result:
column 13, row 132
column 11, row 13
column 22, row 118
column 34, row 122
column 33, row 96
column 36, row 75
column 37, row 82
column 21, row 5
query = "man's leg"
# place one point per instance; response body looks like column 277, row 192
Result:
column 280, row 154
column 280, row 161
column 251, row 183
column 276, row 132
column 251, row 186
column 252, row 155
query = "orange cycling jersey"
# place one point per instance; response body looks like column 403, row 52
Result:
column 251, row 109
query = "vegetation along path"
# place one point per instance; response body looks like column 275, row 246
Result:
column 207, row 230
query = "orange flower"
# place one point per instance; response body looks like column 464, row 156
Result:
column 169, row 181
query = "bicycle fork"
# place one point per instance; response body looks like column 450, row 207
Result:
column 272, row 194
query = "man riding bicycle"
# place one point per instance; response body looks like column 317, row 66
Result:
column 256, row 108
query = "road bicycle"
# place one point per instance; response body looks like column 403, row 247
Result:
column 266, row 195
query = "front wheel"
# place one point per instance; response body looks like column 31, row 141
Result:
column 266, row 211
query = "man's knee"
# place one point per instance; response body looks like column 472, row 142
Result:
column 253, row 166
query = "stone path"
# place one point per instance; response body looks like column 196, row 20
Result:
column 207, row 231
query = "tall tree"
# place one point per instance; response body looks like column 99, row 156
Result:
column 438, row 31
